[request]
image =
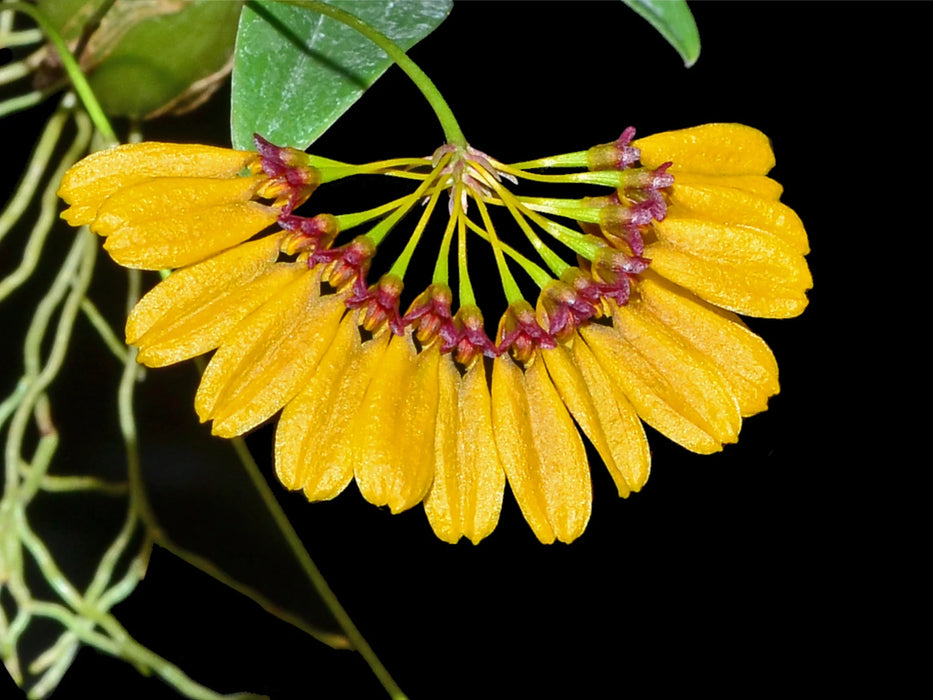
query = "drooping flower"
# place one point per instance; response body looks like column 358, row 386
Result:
column 169, row 205
column 423, row 406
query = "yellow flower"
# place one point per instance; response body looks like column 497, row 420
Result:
column 726, row 237
column 168, row 205
column 423, row 407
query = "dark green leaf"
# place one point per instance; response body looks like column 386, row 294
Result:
column 296, row 72
column 672, row 18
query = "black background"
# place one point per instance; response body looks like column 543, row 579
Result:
column 733, row 572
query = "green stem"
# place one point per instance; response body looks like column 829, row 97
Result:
column 103, row 329
column 314, row 574
column 71, row 66
column 23, row 37
column 401, row 264
column 577, row 159
column 92, row 25
column 119, row 644
column 537, row 273
column 575, row 209
column 509, row 285
column 397, row 167
column 465, row 295
column 442, row 265
column 551, row 259
column 48, row 210
column 21, row 102
column 13, row 71
column 445, row 116
column 605, row 178
column 347, row 221
column 31, row 179
column 378, row 232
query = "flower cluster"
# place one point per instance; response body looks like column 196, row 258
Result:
column 635, row 318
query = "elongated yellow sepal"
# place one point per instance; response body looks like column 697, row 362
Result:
column 741, row 269
column 565, row 475
column 699, row 390
column 541, row 451
column 623, row 456
column 622, row 427
column 190, row 312
column 93, row 179
column 301, row 430
column 466, row 495
column 330, row 465
column 443, row 502
column 511, row 422
column 711, row 149
column 394, row 448
column 743, row 359
column 172, row 222
column 267, row 357
column 655, row 397
column 730, row 206
column 759, row 185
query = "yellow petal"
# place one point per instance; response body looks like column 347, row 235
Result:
column 90, row 181
column 541, row 451
column 205, row 328
column 466, row 495
column 511, row 422
column 329, row 466
column 572, row 389
column 700, row 390
column 565, row 473
column 727, row 205
column 742, row 358
column 395, row 443
column 738, row 268
column 712, row 149
column 266, row 358
column 759, row 185
column 172, row 222
column 442, row 502
column 655, row 396
column 300, row 431
column 190, row 312
column 606, row 417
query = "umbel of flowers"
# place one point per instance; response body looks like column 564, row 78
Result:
column 635, row 319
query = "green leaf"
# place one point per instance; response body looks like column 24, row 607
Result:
column 672, row 18
column 296, row 72
column 160, row 48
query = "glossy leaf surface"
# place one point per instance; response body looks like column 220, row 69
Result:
column 674, row 21
column 296, row 72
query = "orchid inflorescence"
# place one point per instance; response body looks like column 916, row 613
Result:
column 640, row 329
column 569, row 298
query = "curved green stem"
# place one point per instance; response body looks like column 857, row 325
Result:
column 32, row 178
column 445, row 116
column 314, row 574
column 80, row 83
